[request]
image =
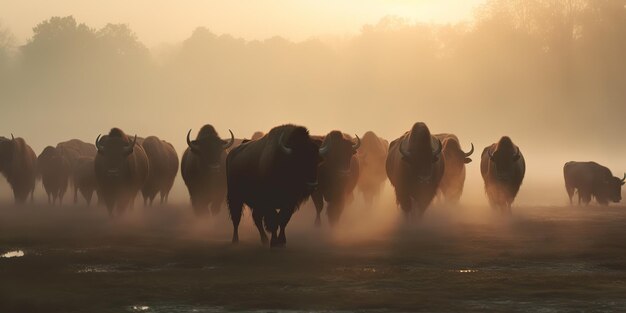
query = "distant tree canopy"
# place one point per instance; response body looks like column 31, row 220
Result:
column 544, row 60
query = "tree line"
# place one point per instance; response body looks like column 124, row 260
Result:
column 524, row 63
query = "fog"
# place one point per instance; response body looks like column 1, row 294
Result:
column 550, row 74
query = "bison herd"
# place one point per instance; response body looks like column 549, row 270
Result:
column 274, row 173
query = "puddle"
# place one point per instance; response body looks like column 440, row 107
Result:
column 139, row 308
column 465, row 270
column 13, row 254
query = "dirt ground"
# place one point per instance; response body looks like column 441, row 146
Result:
column 462, row 259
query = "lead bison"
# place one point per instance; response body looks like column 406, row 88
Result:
column 55, row 172
column 591, row 179
column 371, row 155
column 121, row 168
column 18, row 164
column 337, row 175
column 502, row 167
column 203, row 171
column 163, row 162
column 415, row 168
column 455, row 158
column 273, row 176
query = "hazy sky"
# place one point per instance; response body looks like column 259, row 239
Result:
column 158, row 21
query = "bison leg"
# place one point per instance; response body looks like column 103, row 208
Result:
column 586, row 197
column 216, row 207
column 283, row 219
column 405, row 205
column 570, row 193
column 75, row 193
column 257, row 215
column 318, row 201
column 235, row 216
column 334, row 210
column 270, row 218
column 88, row 195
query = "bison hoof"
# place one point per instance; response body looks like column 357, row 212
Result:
column 278, row 245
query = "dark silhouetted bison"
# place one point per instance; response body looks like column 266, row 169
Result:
column 451, row 185
column 55, row 172
column 75, row 151
column 163, row 162
column 592, row 179
column 121, row 169
column 203, row 171
column 337, row 175
column 84, row 177
column 503, row 167
column 371, row 155
column 414, row 167
column 18, row 164
column 273, row 176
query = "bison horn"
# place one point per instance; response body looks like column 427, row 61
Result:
column 285, row 149
column 98, row 146
column 191, row 144
column 357, row 145
column 12, row 138
column 405, row 153
column 231, row 142
column 490, row 153
column 129, row 148
column 324, row 149
column 517, row 154
column 470, row 152
column 624, row 179
column 439, row 147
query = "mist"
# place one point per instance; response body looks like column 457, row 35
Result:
column 555, row 85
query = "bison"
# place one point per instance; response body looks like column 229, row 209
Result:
column 415, row 168
column 55, row 172
column 18, row 164
column 76, row 152
column 202, row 168
column 337, row 175
column 257, row 135
column 272, row 176
column 502, row 167
column 592, row 179
column 163, row 162
column 371, row 156
column 84, row 177
column 121, row 168
column 454, row 158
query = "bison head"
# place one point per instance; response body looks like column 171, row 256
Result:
column 302, row 156
column 6, row 151
column 416, row 150
column 210, row 148
column 452, row 151
column 113, row 151
column 337, row 151
column 504, row 158
column 612, row 188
